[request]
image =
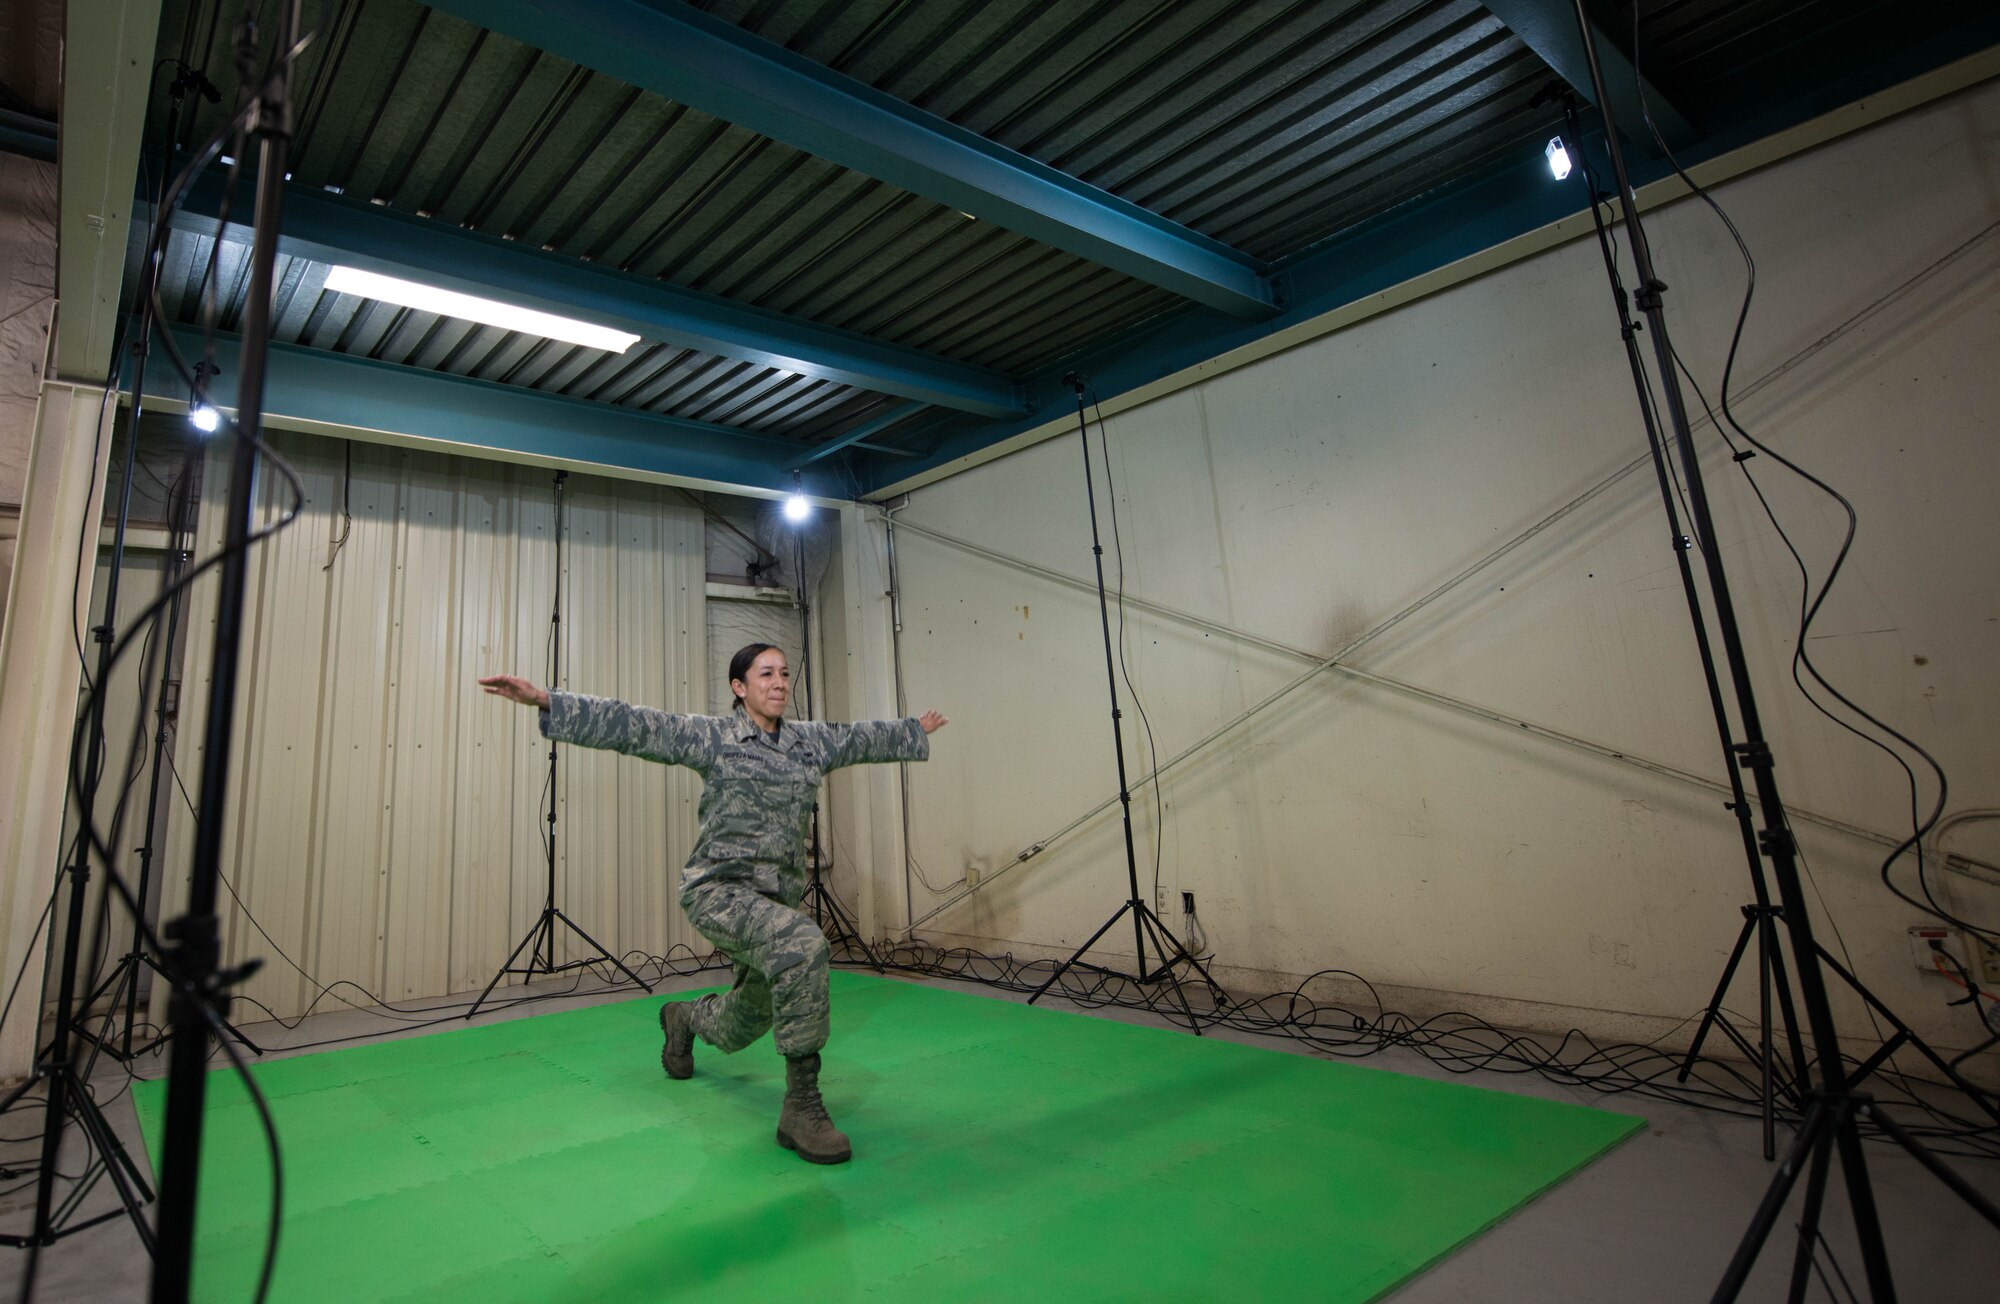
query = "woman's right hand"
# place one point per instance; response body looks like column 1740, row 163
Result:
column 516, row 689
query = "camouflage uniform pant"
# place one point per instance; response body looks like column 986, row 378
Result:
column 781, row 965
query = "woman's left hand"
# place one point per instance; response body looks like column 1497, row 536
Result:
column 932, row 721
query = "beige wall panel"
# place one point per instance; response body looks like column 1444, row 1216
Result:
column 424, row 749
column 361, row 698
column 386, row 826
column 1316, row 494
column 273, row 791
column 633, row 900
column 485, row 831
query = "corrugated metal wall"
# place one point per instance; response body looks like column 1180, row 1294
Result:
column 385, row 822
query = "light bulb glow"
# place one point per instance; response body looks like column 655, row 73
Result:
column 467, row 307
column 1558, row 157
column 797, row 508
column 204, row 418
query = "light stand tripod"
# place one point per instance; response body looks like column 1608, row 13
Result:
column 1144, row 922
column 832, row 918
column 1834, row 1108
column 67, row 1093
column 192, row 963
column 1762, row 918
column 122, row 983
column 543, row 931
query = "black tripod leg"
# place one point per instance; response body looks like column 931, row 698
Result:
column 1180, row 950
column 26, row 1085
column 1984, row 1207
column 1809, row 1219
column 118, row 1165
column 594, row 946
column 1801, row 1075
column 1861, row 1196
column 845, row 928
column 1167, row 966
column 506, row 968
column 1816, row 1122
column 1068, row 964
column 1714, row 1010
column 1980, row 1098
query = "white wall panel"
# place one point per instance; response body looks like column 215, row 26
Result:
column 1312, row 496
column 386, row 819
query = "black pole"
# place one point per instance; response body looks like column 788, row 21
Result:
column 1144, row 920
column 1834, row 1106
column 178, row 553
column 195, row 949
column 1111, row 680
column 1770, row 962
column 548, row 930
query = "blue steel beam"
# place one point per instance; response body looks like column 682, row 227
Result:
column 1504, row 200
column 861, row 433
column 712, row 65
column 329, row 228
column 467, row 415
column 1549, row 28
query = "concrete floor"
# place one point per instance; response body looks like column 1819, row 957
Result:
column 1656, row 1219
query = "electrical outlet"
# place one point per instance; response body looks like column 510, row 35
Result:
column 1926, row 940
column 1160, row 900
column 972, row 875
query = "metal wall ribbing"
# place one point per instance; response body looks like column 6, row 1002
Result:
column 385, row 819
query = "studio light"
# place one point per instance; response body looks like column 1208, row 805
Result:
column 796, row 506
column 487, row 312
column 204, row 418
column 1558, row 158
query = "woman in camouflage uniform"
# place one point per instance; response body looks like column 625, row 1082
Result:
column 743, row 884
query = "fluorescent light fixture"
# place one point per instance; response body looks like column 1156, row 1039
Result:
column 488, row 312
column 797, row 508
column 204, row 418
column 1558, row 157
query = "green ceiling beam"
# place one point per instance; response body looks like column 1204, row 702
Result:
column 327, row 228
column 707, row 63
column 351, row 397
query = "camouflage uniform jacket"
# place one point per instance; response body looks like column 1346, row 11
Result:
column 757, row 802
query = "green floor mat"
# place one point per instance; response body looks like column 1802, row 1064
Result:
column 1001, row 1152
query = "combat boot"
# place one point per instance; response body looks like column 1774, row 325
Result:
column 803, row 1125
column 677, row 1056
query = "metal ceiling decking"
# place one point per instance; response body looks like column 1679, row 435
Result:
column 1320, row 143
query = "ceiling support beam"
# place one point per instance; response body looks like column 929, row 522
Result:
column 328, row 228
column 860, row 434
column 714, row 66
column 1549, row 28
column 107, row 52
column 350, row 397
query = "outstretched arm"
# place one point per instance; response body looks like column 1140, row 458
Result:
column 611, row 725
column 872, row 741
